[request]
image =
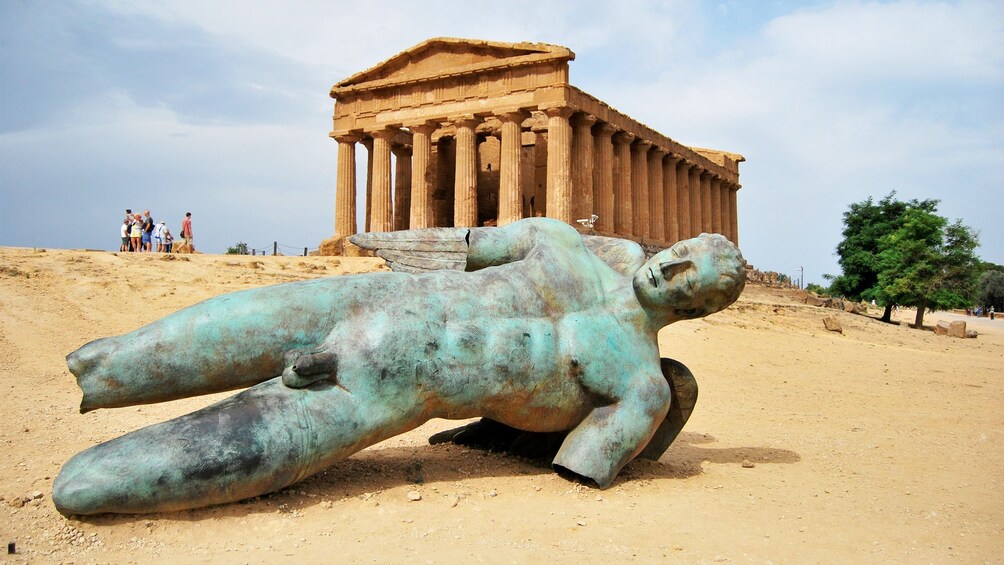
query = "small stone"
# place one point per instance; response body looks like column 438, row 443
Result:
column 493, row 493
column 580, row 522
column 454, row 501
column 748, row 464
column 414, row 496
column 677, row 547
column 599, row 498
column 37, row 494
column 833, row 324
column 17, row 502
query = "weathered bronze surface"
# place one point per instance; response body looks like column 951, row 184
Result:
column 539, row 334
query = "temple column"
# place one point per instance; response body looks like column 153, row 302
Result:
column 559, row 163
column 656, row 201
column 726, row 210
column 381, row 210
column 510, row 189
column 683, row 198
column 623, row 217
column 696, row 207
column 639, row 189
column 706, row 200
column 465, row 187
column 420, row 215
column 582, row 166
column 603, row 177
column 732, row 214
column 402, row 186
column 671, row 199
column 716, row 205
column 368, row 144
column 345, row 186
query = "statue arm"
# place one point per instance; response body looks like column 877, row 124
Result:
column 614, row 434
column 489, row 247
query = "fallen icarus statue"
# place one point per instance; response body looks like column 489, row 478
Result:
column 531, row 326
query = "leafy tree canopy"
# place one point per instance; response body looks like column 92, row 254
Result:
column 992, row 289
column 865, row 224
column 903, row 253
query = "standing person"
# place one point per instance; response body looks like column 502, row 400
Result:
column 136, row 233
column 158, row 236
column 125, row 235
column 147, row 231
column 129, row 221
column 168, row 239
column 186, row 232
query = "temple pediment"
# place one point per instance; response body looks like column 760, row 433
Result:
column 441, row 57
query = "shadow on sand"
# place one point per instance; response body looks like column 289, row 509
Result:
column 376, row 469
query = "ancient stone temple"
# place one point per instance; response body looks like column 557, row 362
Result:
column 464, row 132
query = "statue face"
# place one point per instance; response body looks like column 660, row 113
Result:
column 693, row 278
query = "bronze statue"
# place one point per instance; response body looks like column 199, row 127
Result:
column 544, row 331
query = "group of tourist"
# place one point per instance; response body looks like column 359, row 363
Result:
column 980, row 311
column 140, row 233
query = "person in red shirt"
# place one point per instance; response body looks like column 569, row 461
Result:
column 186, row 231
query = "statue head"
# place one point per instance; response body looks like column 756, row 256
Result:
column 691, row 279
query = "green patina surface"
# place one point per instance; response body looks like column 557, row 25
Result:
column 539, row 334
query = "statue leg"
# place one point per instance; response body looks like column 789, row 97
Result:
column 253, row 443
column 228, row 342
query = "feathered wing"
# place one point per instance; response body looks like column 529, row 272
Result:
column 418, row 251
column 621, row 255
column 431, row 249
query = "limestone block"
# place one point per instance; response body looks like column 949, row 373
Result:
column 833, row 324
column 941, row 328
column 957, row 329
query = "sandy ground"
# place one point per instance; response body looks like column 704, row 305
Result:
column 880, row 444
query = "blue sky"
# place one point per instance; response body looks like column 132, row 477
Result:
column 221, row 108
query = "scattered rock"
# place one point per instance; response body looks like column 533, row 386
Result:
column 748, row 464
column 37, row 494
column 454, row 501
column 414, row 496
column 957, row 329
column 953, row 329
column 833, row 324
column 16, row 502
column 971, row 334
column 813, row 300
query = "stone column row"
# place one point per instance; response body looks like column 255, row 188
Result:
column 636, row 188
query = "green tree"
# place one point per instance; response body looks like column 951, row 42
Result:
column 927, row 263
column 240, row 248
column 818, row 289
column 992, row 289
column 865, row 224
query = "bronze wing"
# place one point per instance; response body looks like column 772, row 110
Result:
column 431, row 249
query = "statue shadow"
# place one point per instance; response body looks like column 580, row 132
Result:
column 689, row 452
column 440, row 466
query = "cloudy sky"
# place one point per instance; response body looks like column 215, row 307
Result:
column 221, row 108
